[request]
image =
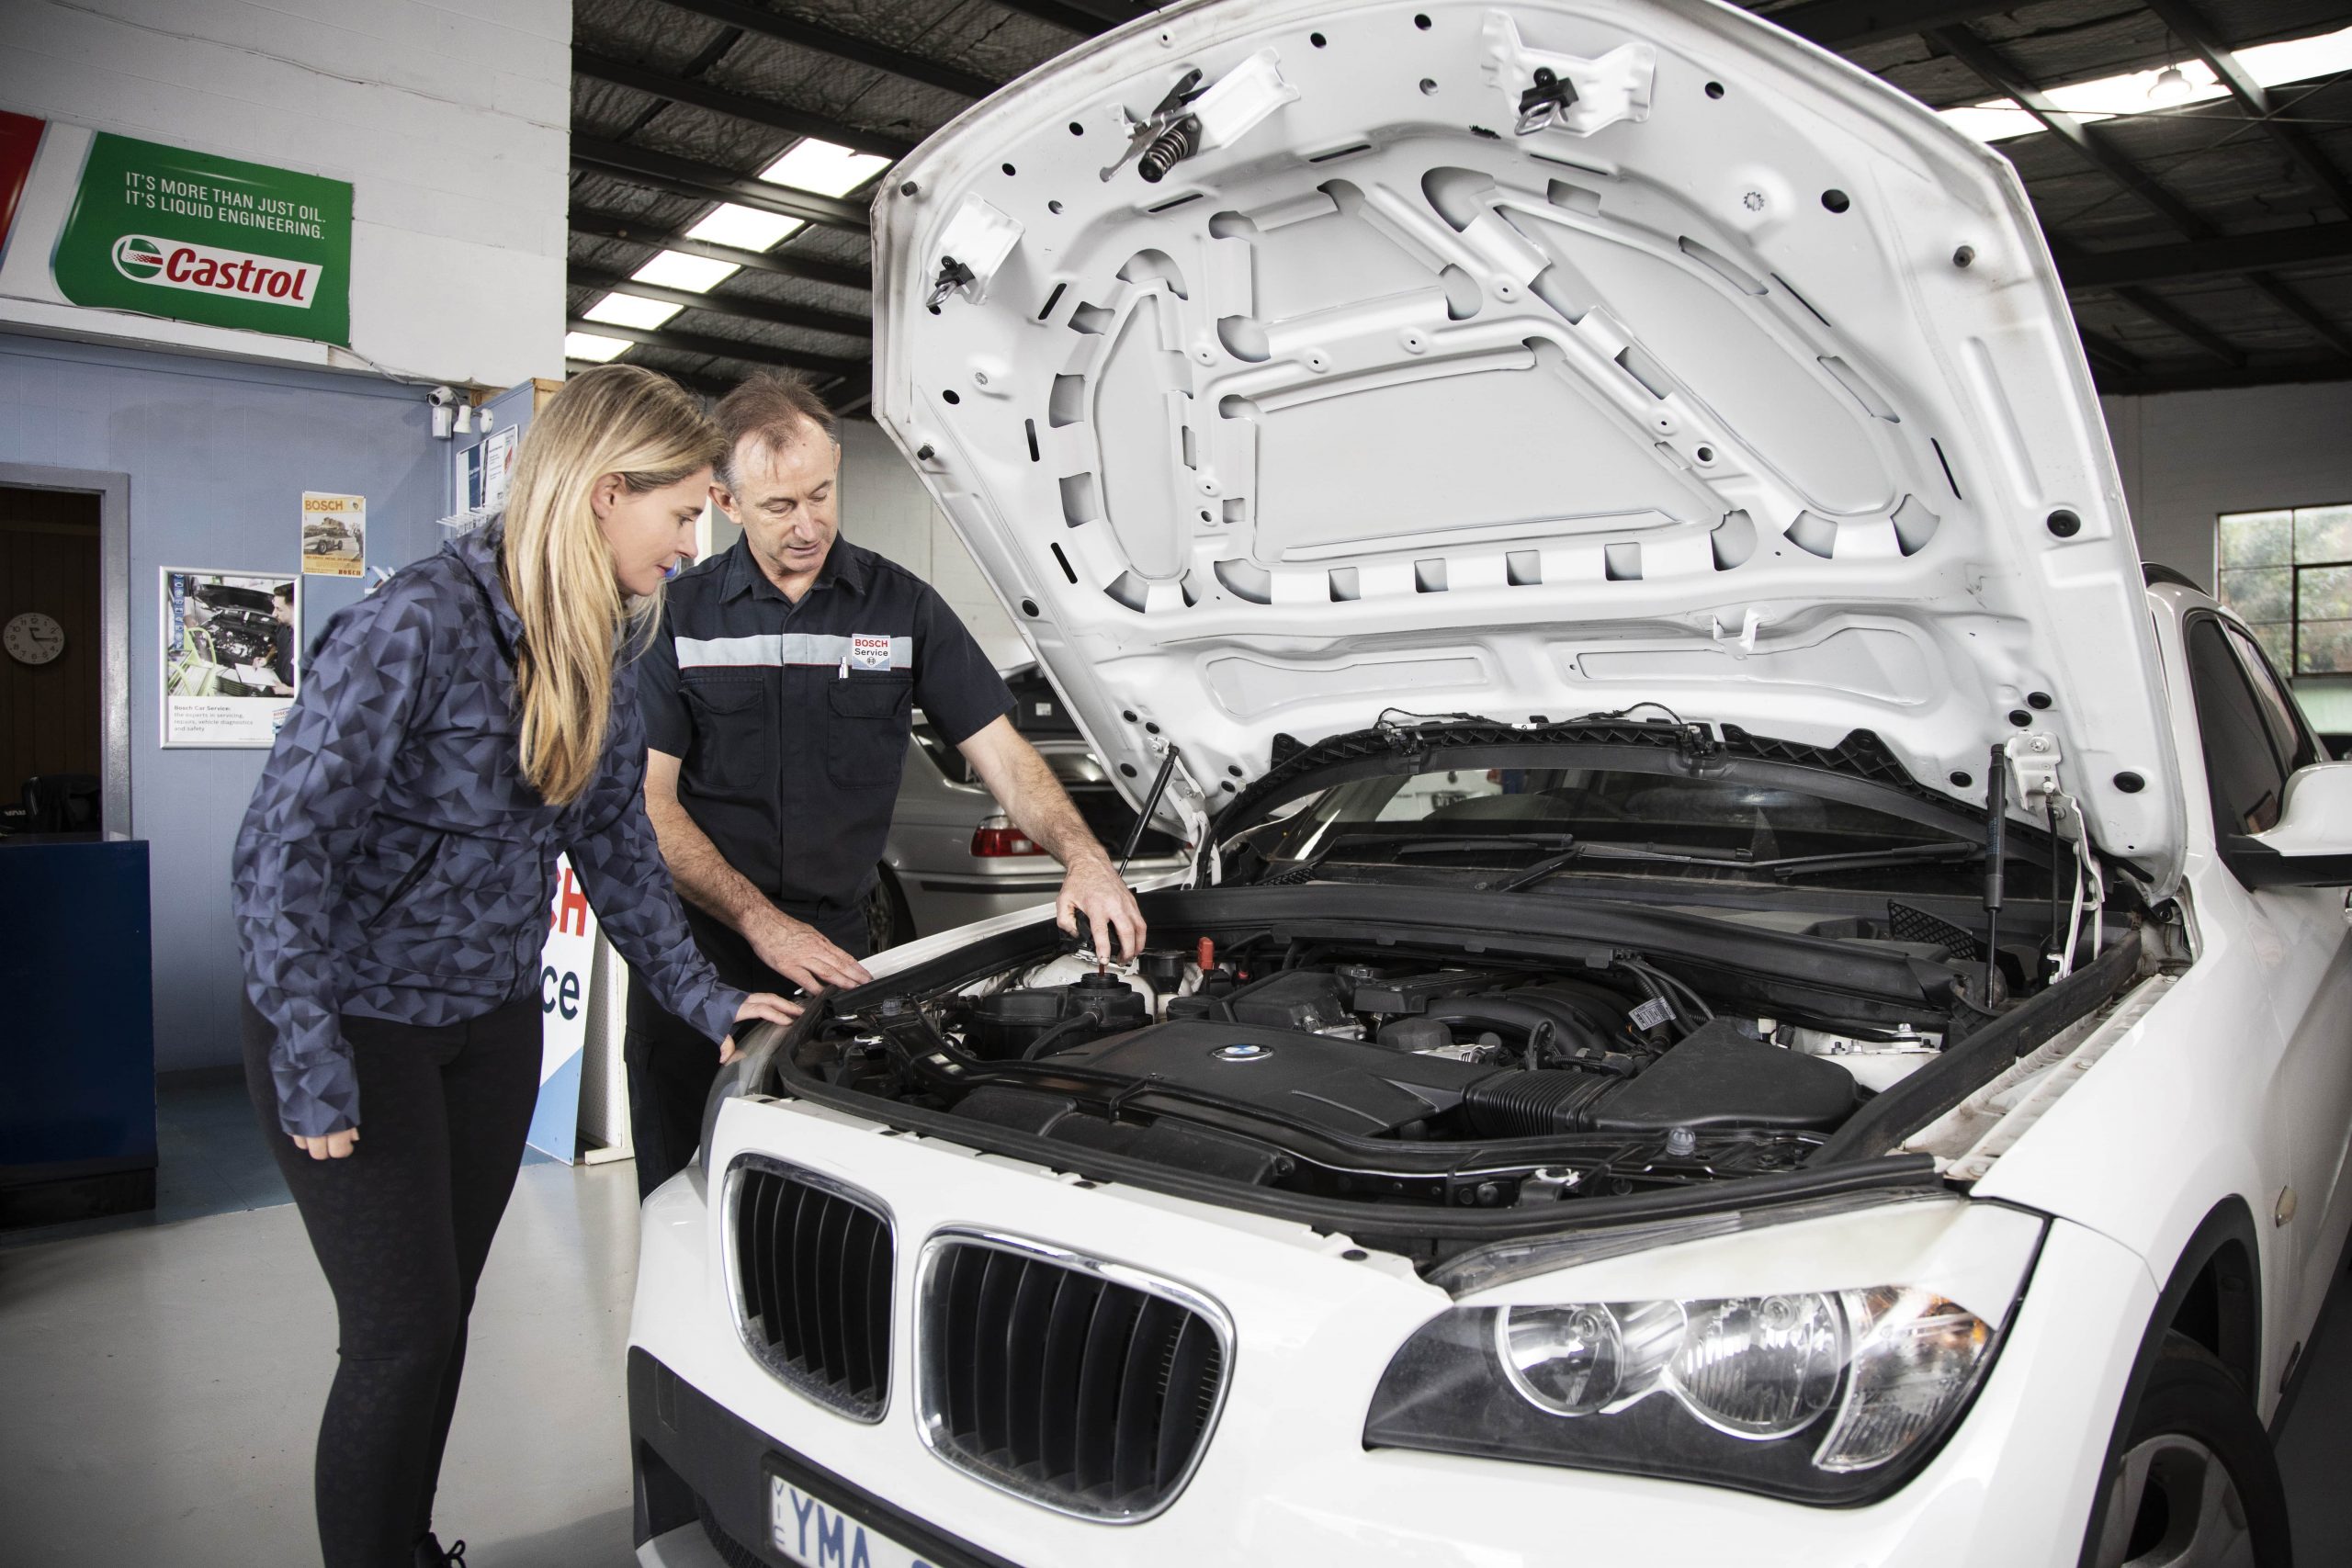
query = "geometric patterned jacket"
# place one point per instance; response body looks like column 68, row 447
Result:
column 395, row 864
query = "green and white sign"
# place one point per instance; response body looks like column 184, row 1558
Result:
column 196, row 238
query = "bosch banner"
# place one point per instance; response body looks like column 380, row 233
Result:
column 166, row 232
column 567, row 970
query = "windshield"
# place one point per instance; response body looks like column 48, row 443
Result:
column 1616, row 822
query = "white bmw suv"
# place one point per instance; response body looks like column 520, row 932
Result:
column 1748, row 992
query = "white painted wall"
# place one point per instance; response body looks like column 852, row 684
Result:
column 2186, row 457
column 451, row 122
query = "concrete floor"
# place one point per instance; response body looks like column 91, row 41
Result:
column 164, row 1384
column 159, row 1384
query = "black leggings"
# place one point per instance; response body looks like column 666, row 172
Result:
column 402, row 1229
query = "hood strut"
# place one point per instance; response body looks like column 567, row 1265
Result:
column 1150, row 804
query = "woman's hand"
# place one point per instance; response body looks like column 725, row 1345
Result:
column 335, row 1146
column 759, row 1007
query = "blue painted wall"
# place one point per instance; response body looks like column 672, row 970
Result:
column 219, row 454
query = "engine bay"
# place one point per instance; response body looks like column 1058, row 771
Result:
column 1474, row 1074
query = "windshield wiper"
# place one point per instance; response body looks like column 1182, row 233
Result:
column 1870, row 860
column 1781, row 868
column 1415, row 843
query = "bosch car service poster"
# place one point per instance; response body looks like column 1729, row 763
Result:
column 230, row 656
column 116, row 223
column 334, row 535
column 567, row 970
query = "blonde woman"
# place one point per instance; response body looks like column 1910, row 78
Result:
column 455, row 732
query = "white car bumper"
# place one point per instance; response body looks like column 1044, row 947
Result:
column 1286, row 1478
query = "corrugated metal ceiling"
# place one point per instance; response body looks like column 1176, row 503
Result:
column 2218, row 172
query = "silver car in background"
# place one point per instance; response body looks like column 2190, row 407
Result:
column 954, row 857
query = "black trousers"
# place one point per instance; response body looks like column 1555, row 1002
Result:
column 402, row 1228
column 671, row 1064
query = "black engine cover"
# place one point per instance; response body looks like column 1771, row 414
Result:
column 1344, row 1085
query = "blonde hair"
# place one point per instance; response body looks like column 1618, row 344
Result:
column 558, row 569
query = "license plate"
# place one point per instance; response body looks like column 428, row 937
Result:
column 821, row 1535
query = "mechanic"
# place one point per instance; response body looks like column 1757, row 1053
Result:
column 281, row 634
column 776, row 700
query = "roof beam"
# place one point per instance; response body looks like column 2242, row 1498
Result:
column 2276, row 373
column 2230, row 255
column 1084, row 17
column 2328, row 332
column 776, row 312
column 2175, row 320
column 727, row 348
column 1849, row 24
column 2252, row 97
column 840, row 46
column 709, row 387
column 848, row 401
column 683, row 177
column 637, row 231
column 2104, row 352
column 1999, row 75
column 735, row 106
column 2093, row 147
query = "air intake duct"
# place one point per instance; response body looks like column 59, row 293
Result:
column 1716, row 1077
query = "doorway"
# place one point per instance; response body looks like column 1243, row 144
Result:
column 51, row 651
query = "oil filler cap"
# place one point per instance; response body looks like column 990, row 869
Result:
column 1242, row 1051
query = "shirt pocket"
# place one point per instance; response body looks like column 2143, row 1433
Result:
column 869, row 718
column 733, row 749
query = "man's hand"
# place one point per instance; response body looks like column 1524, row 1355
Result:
column 759, row 1007
column 1092, row 887
column 1040, row 807
column 335, row 1146
column 800, row 953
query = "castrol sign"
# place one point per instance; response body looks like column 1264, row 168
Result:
column 172, row 233
column 172, row 264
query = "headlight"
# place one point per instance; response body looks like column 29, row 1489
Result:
column 1830, row 1397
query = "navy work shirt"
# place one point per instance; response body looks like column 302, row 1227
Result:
column 791, row 721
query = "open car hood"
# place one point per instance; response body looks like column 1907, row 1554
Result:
column 1529, row 359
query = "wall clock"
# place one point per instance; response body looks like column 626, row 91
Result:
column 33, row 638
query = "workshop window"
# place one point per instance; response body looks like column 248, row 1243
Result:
column 2289, row 573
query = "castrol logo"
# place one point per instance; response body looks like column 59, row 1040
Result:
column 209, row 269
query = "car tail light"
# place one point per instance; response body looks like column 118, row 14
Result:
column 995, row 842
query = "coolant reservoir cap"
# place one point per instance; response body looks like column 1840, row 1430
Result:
column 1242, row 1051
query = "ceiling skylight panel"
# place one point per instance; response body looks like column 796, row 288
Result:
column 745, row 228
column 595, row 346
column 629, row 310
column 675, row 269
column 823, row 167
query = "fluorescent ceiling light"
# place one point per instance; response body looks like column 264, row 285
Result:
column 675, row 269
column 629, row 310
column 2271, row 66
column 745, row 228
column 822, row 167
column 595, row 346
